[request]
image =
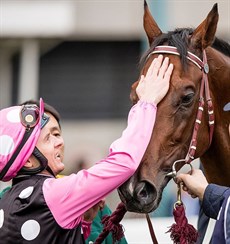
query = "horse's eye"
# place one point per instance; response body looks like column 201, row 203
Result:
column 187, row 99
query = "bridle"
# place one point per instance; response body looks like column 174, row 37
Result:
column 204, row 91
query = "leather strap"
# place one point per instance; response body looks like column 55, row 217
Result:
column 151, row 230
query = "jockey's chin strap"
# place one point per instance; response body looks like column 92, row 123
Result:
column 204, row 91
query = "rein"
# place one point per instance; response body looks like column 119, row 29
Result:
column 204, row 91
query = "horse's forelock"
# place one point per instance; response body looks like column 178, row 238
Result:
column 178, row 38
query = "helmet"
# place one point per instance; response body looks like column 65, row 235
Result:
column 20, row 127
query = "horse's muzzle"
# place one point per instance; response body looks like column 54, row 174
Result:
column 140, row 198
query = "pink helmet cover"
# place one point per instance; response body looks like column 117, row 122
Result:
column 11, row 134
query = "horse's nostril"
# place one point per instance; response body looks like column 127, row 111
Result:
column 145, row 192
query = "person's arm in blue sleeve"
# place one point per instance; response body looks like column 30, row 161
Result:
column 213, row 199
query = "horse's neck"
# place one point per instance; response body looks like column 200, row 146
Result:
column 219, row 75
column 216, row 160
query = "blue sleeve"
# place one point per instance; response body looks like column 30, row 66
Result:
column 227, row 220
column 213, row 198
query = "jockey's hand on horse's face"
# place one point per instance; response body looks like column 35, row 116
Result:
column 155, row 84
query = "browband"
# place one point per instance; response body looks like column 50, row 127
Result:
column 173, row 50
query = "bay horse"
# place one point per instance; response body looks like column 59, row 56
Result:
column 200, row 84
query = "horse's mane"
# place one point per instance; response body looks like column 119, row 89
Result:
column 221, row 46
column 179, row 39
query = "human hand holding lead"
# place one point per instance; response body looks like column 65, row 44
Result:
column 194, row 183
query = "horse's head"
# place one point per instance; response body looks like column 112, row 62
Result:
column 177, row 112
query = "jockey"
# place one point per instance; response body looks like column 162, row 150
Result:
column 40, row 208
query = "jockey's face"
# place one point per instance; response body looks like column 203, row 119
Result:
column 51, row 145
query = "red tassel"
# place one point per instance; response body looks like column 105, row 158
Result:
column 112, row 224
column 181, row 231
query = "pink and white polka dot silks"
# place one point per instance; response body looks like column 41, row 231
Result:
column 11, row 134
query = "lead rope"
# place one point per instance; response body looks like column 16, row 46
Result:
column 151, row 230
column 112, row 224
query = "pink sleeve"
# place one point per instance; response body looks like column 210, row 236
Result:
column 69, row 197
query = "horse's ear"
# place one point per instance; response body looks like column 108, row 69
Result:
column 151, row 28
column 204, row 35
column 133, row 94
